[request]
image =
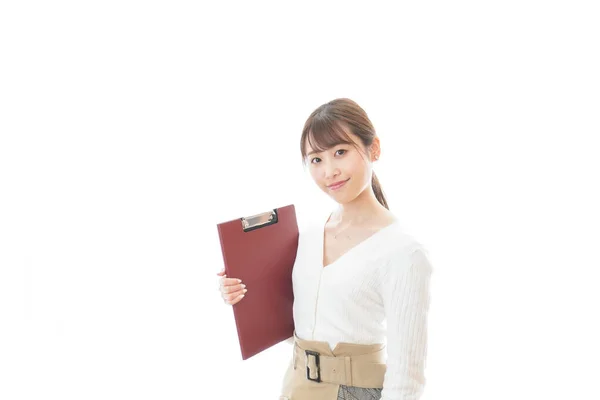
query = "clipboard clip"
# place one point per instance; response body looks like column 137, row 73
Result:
column 259, row 220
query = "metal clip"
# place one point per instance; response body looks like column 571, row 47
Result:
column 259, row 220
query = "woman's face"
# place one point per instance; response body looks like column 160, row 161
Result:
column 342, row 163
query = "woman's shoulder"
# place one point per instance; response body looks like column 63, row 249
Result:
column 403, row 247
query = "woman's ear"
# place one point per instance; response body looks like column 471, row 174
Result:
column 375, row 149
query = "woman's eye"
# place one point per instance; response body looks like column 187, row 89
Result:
column 337, row 151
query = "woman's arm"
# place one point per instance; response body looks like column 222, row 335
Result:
column 405, row 292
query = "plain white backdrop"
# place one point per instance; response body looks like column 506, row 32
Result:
column 128, row 130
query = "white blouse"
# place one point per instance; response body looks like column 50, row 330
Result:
column 377, row 292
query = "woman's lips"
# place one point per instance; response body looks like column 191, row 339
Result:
column 336, row 187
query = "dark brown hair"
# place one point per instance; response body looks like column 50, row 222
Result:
column 324, row 129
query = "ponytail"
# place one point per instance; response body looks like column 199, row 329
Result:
column 378, row 192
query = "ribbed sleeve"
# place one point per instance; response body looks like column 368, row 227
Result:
column 406, row 298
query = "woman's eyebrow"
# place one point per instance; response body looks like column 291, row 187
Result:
column 332, row 147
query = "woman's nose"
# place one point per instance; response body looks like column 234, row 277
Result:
column 331, row 171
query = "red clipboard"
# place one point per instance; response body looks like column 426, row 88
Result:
column 261, row 251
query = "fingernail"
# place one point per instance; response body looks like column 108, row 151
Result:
column 239, row 280
column 243, row 286
column 242, row 296
column 245, row 290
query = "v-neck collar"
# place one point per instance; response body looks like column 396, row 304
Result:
column 351, row 249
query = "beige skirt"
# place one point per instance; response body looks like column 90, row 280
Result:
column 318, row 373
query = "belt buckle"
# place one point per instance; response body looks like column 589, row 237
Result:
column 317, row 363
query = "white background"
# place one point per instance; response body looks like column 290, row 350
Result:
column 130, row 129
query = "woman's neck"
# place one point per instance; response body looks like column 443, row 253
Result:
column 359, row 211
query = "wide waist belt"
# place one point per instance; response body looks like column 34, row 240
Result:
column 348, row 364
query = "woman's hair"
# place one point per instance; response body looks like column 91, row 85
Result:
column 324, row 129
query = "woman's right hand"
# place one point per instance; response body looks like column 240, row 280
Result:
column 232, row 289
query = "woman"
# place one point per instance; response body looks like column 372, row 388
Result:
column 361, row 284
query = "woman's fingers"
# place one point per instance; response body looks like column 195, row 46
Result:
column 224, row 281
column 234, row 298
column 234, row 295
column 233, row 288
column 232, row 292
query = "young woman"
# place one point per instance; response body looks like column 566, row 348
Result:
column 361, row 284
